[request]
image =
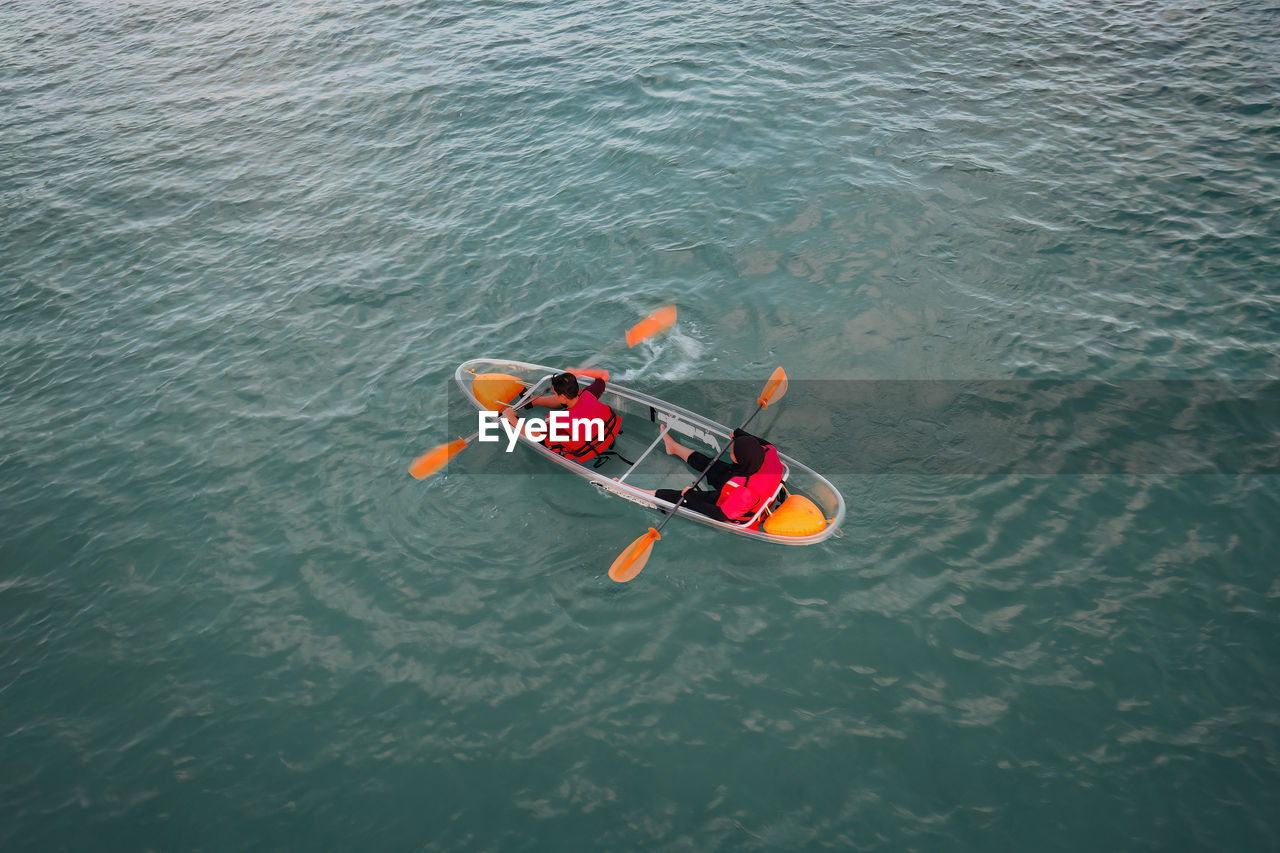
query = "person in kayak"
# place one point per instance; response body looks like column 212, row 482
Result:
column 583, row 404
column 738, row 487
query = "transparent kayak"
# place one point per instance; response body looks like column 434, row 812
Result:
column 639, row 462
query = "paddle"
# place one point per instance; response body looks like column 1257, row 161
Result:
column 634, row 556
column 432, row 461
column 659, row 321
column 436, row 458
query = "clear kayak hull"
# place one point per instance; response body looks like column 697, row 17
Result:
column 641, row 463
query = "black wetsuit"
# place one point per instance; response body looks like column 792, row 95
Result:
column 703, row 500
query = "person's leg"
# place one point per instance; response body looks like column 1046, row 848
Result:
column 719, row 474
column 698, row 461
column 698, row 500
column 675, row 448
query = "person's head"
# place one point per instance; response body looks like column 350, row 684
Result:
column 746, row 452
column 565, row 385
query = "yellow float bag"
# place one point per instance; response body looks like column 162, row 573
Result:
column 495, row 390
column 798, row 516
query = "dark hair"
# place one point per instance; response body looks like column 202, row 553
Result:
column 565, row 384
column 749, row 452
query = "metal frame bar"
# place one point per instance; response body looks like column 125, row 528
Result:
column 636, row 464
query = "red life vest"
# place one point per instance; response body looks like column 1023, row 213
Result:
column 586, row 408
column 742, row 496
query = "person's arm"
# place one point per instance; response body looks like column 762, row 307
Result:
column 598, row 374
column 738, row 503
column 546, row 402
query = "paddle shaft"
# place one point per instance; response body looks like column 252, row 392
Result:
column 527, row 395
column 600, row 356
column 706, row 471
column 656, row 322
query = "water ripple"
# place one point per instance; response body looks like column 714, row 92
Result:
column 244, row 247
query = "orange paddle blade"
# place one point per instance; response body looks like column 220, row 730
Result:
column 658, row 321
column 632, row 560
column 429, row 463
column 774, row 388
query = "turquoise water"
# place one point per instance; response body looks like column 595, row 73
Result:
column 244, row 246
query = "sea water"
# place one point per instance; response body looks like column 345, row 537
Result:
column 245, row 245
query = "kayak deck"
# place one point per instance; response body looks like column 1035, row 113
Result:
column 639, row 461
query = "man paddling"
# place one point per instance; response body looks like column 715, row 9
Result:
column 584, row 408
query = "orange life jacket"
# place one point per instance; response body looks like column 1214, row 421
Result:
column 742, row 496
column 586, row 408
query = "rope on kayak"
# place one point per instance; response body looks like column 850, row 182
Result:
column 603, row 458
